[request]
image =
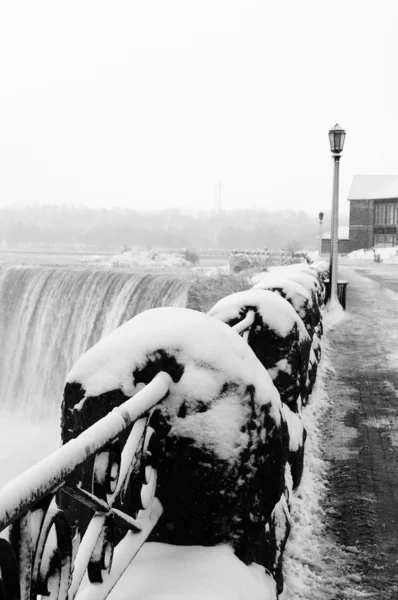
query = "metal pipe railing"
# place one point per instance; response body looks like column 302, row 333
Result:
column 42, row 555
column 47, row 475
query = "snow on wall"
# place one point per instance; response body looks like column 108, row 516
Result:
column 273, row 309
column 306, row 276
column 221, row 429
column 297, row 295
column 184, row 333
column 208, row 408
column 277, row 336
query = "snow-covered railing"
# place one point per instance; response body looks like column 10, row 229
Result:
column 245, row 324
column 40, row 557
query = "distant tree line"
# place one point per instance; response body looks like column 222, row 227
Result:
column 61, row 225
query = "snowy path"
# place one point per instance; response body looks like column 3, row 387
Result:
column 363, row 431
column 315, row 565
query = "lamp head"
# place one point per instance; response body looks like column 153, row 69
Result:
column 336, row 139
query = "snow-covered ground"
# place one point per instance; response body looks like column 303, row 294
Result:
column 212, row 271
column 139, row 258
column 387, row 255
column 165, row 572
column 148, row 258
column 313, row 565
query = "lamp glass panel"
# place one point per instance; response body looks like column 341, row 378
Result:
column 337, row 141
column 337, row 137
column 342, row 140
column 331, row 140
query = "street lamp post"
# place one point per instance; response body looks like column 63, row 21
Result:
column 336, row 138
column 321, row 215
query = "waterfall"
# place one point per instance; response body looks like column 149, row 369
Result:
column 49, row 316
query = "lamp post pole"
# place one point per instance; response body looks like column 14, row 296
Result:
column 321, row 215
column 334, row 241
column 336, row 137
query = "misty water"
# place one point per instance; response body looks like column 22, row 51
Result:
column 49, row 316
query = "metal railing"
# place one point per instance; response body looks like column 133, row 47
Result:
column 42, row 557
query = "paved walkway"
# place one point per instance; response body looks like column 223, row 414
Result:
column 362, row 434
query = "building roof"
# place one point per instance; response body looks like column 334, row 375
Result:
column 343, row 233
column 373, row 187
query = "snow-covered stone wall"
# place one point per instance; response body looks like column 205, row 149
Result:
column 231, row 440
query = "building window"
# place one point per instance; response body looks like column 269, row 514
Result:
column 384, row 240
column 386, row 214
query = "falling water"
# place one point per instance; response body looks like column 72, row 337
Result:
column 49, row 316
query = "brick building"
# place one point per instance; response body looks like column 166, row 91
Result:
column 373, row 211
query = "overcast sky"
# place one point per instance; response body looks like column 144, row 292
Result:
column 147, row 103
